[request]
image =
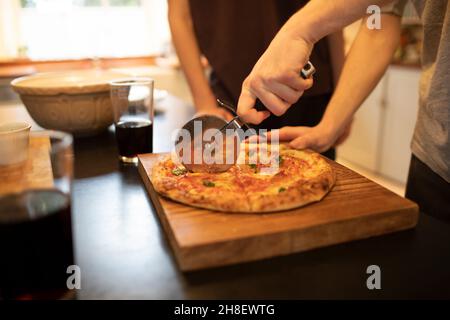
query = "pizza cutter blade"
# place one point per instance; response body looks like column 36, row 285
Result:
column 203, row 146
column 211, row 144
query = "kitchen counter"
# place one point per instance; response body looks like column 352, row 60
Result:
column 123, row 252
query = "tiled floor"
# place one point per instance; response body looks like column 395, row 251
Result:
column 394, row 186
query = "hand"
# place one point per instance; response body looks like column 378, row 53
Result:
column 275, row 79
column 315, row 138
column 319, row 138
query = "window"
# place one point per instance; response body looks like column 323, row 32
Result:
column 86, row 3
column 70, row 29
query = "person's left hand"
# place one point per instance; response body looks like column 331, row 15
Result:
column 319, row 138
column 316, row 138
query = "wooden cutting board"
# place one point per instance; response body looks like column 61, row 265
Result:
column 356, row 208
column 34, row 173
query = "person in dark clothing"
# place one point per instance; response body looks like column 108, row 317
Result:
column 232, row 35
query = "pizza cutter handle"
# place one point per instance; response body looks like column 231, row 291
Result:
column 306, row 73
column 227, row 106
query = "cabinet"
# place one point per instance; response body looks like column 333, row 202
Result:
column 362, row 146
column 383, row 126
column 400, row 117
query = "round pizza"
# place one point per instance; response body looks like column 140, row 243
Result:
column 264, row 179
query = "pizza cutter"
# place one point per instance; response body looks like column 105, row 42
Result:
column 211, row 144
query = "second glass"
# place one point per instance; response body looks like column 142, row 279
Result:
column 132, row 101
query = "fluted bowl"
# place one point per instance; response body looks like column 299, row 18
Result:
column 74, row 101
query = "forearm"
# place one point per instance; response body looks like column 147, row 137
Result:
column 365, row 64
column 323, row 17
column 189, row 53
column 337, row 54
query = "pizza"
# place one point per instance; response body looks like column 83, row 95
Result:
column 264, row 179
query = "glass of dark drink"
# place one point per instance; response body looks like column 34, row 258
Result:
column 132, row 101
column 35, row 221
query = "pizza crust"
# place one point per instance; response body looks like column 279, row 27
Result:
column 298, row 195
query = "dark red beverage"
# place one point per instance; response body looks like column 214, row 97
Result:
column 134, row 137
column 35, row 245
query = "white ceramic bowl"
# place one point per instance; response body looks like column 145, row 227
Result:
column 75, row 101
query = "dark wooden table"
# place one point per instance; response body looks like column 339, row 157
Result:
column 124, row 254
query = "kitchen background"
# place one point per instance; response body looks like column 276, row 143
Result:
column 133, row 36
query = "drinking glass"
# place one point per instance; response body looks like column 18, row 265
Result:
column 132, row 101
column 35, row 220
